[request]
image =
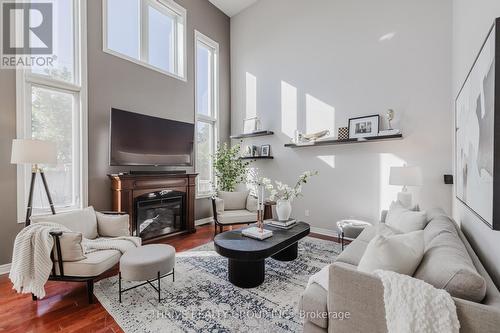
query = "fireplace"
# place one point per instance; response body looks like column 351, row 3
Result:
column 159, row 205
column 159, row 213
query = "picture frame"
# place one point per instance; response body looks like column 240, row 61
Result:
column 251, row 125
column 364, row 127
column 477, row 134
column 265, row 150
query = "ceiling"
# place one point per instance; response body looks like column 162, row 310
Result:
column 232, row 7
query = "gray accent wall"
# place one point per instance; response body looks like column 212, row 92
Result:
column 471, row 23
column 115, row 82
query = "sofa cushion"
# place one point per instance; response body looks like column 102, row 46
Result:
column 71, row 247
column 313, row 305
column 251, row 204
column 404, row 219
column 447, row 264
column 234, row 200
column 111, row 225
column 81, row 220
column 95, row 264
column 237, row 216
column 398, row 253
column 353, row 252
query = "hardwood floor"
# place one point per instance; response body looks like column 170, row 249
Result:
column 65, row 308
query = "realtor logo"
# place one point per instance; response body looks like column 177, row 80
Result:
column 27, row 34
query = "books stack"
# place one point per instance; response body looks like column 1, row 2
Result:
column 257, row 233
column 290, row 223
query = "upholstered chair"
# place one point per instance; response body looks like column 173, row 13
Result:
column 230, row 208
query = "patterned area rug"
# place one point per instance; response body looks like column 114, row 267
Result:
column 202, row 300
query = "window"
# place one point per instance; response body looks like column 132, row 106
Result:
column 52, row 106
column 148, row 32
column 207, row 88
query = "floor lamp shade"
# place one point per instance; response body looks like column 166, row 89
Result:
column 30, row 151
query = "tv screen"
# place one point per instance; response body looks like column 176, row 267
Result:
column 138, row 139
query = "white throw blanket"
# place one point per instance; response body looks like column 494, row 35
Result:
column 320, row 277
column 31, row 261
column 414, row 306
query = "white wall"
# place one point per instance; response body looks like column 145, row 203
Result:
column 472, row 20
column 313, row 64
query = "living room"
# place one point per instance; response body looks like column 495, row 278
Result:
column 160, row 131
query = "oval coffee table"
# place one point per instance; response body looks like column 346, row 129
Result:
column 246, row 268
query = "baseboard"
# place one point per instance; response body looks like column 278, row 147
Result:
column 323, row 231
column 4, row 269
column 203, row 221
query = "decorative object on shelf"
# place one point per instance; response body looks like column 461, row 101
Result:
column 405, row 176
column 390, row 117
column 477, row 121
column 34, row 152
column 284, row 194
column 313, row 136
column 248, row 151
column 362, row 127
column 343, row 133
column 251, row 125
column 230, row 169
column 255, row 151
column 265, row 150
column 389, row 132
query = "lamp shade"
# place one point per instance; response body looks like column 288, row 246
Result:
column 30, row 151
column 405, row 176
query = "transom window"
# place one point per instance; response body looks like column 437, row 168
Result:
column 148, row 32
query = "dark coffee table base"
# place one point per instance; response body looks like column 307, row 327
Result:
column 246, row 274
column 288, row 254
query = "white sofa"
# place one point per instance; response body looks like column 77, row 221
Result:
column 70, row 262
column 230, row 208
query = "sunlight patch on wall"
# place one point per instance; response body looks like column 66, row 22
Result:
column 388, row 193
column 387, row 37
column 319, row 116
column 288, row 109
column 251, row 96
column 328, row 160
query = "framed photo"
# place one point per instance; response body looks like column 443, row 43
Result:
column 265, row 150
column 477, row 134
column 363, row 127
column 251, row 125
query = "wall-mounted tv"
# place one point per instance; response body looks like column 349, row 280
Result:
column 137, row 139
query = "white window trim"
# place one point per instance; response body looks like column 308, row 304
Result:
column 25, row 80
column 214, row 119
column 180, row 30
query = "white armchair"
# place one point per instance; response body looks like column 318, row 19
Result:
column 231, row 208
column 70, row 261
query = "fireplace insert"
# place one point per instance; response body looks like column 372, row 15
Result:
column 159, row 213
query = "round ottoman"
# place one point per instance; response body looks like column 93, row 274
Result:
column 351, row 229
column 146, row 263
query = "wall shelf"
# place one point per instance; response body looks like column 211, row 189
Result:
column 349, row 141
column 251, row 135
column 257, row 157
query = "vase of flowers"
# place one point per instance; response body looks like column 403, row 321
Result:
column 284, row 194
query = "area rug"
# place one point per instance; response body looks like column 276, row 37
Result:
column 202, row 300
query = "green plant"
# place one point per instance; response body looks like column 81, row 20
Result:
column 230, row 169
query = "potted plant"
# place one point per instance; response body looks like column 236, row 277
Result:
column 284, row 194
column 230, row 169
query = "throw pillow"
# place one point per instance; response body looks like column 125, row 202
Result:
column 110, row 225
column 398, row 253
column 71, row 247
column 234, row 200
column 404, row 219
column 251, row 203
column 385, row 230
column 81, row 220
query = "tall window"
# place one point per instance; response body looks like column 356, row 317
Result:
column 207, row 104
column 51, row 105
column 148, row 32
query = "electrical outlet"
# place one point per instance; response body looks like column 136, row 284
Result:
column 306, row 213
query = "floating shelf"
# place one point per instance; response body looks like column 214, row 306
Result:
column 251, row 135
column 257, row 157
column 348, row 141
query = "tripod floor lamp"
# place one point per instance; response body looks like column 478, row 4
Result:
column 34, row 152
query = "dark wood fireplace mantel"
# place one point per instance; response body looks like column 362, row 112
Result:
column 126, row 188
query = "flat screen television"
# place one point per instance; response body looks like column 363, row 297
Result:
column 137, row 139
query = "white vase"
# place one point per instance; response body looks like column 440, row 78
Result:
column 283, row 209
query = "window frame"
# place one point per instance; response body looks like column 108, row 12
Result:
column 167, row 7
column 212, row 119
column 25, row 80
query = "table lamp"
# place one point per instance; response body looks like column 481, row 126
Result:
column 34, row 152
column 405, row 176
